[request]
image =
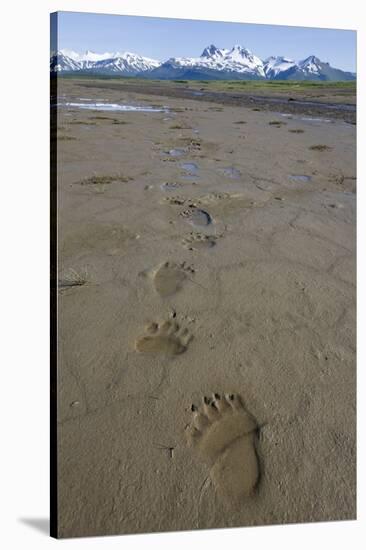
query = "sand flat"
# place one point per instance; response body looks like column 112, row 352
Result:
column 260, row 303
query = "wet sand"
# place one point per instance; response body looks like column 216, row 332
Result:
column 328, row 100
column 224, row 271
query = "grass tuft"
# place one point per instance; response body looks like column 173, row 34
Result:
column 74, row 278
column 66, row 138
column 104, row 180
column 86, row 122
column 277, row 123
column 101, row 117
column 320, row 148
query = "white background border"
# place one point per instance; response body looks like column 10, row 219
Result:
column 24, row 235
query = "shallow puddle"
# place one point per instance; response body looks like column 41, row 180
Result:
column 299, row 177
column 230, row 172
column 177, row 152
column 314, row 119
column 114, row 107
column 190, row 167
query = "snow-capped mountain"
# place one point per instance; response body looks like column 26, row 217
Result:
column 274, row 66
column 125, row 63
column 311, row 68
column 60, row 62
column 213, row 63
column 311, row 65
column 212, row 52
column 237, row 63
column 89, row 55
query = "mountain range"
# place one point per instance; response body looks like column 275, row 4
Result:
column 237, row 63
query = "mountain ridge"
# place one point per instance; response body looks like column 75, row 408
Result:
column 236, row 63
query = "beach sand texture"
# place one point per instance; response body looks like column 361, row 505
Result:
column 206, row 340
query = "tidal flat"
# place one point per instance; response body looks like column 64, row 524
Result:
column 207, row 305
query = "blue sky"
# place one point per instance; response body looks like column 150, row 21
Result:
column 161, row 38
